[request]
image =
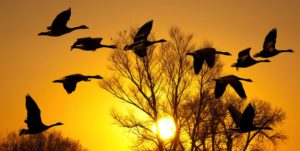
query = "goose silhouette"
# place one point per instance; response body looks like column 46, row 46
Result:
column 59, row 25
column 34, row 121
column 245, row 60
column 206, row 54
column 234, row 81
column 90, row 44
column 269, row 49
column 69, row 82
column 140, row 42
column 244, row 121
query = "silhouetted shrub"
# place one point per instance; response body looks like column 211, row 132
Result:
column 47, row 141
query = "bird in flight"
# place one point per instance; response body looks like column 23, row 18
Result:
column 90, row 44
column 34, row 121
column 69, row 82
column 206, row 54
column 140, row 41
column 245, row 60
column 244, row 121
column 234, row 81
column 59, row 25
column 269, row 49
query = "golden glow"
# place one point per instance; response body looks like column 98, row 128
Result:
column 166, row 128
column 29, row 62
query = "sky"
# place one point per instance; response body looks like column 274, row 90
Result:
column 29, row 63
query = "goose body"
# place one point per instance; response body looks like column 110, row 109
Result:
column 34, row 121
column 90, row 44
column 269, row 49
column 140, row 41
column 232, row 80
column 245, row 60
column 206, row 54
column 244, row 121
column 59, row 25
column 69, row 82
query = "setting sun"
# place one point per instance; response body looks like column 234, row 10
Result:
column 166, row 128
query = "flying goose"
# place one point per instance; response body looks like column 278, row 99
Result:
column 69, row 82
column 207, row 54
column 245, row 60
column 234, row 81
column 90, row 44
column 34, row 121
column 59, row 25
column 140, row 42
column 269, row 49
column 244, row 122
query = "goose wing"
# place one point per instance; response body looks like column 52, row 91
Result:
column 33, row 120
column 238, row 87
column 61, row 20
column 270, row 40
column 69, row 86
column 143, row 32
column 74, row 76
column 210, row 59
column 235, row 114
column 140, row 51
column 247, row 116
column 87, row 41
column 244, row 55
column 97, row 40
column 245, row 52
column 198, row 62
column 81, row 41
column 220, row 88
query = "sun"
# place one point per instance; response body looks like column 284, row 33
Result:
column 166, row 128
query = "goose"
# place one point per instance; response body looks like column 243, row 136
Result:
column 34, row 121
column 69, row 82
column 90, row 44
column 244, row 121
column 59, row 25
column 207, row 54
column 234, row 81
column 140, row 42
column 269, row 49
column 245, row 60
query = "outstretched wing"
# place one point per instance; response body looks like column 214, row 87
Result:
column 245, row 52
column 220, row 88
column 210, row 59
column 235, row 114
column 247, row 116
column 69, row 86
column 270, row 40
column 81, row 41
column 33, row 113
column 97, row 40
column 61, row 20
column 198, row 62
column 140, row 51
column 143, row 32
column 238, row 87
column 87, row 41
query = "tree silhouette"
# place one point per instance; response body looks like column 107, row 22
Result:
column 46, row 141
column 163, row 84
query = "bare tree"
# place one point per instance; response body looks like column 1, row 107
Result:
column 164, row 84
column 47, row 141
column 137, row 82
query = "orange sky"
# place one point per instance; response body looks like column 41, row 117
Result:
column 29, row 63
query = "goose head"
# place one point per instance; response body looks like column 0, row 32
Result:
column 83, row 27
column 127, row 47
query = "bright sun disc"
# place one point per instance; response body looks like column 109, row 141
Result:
column 166, row 128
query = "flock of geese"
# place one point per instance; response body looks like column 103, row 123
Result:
column 243, row 121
